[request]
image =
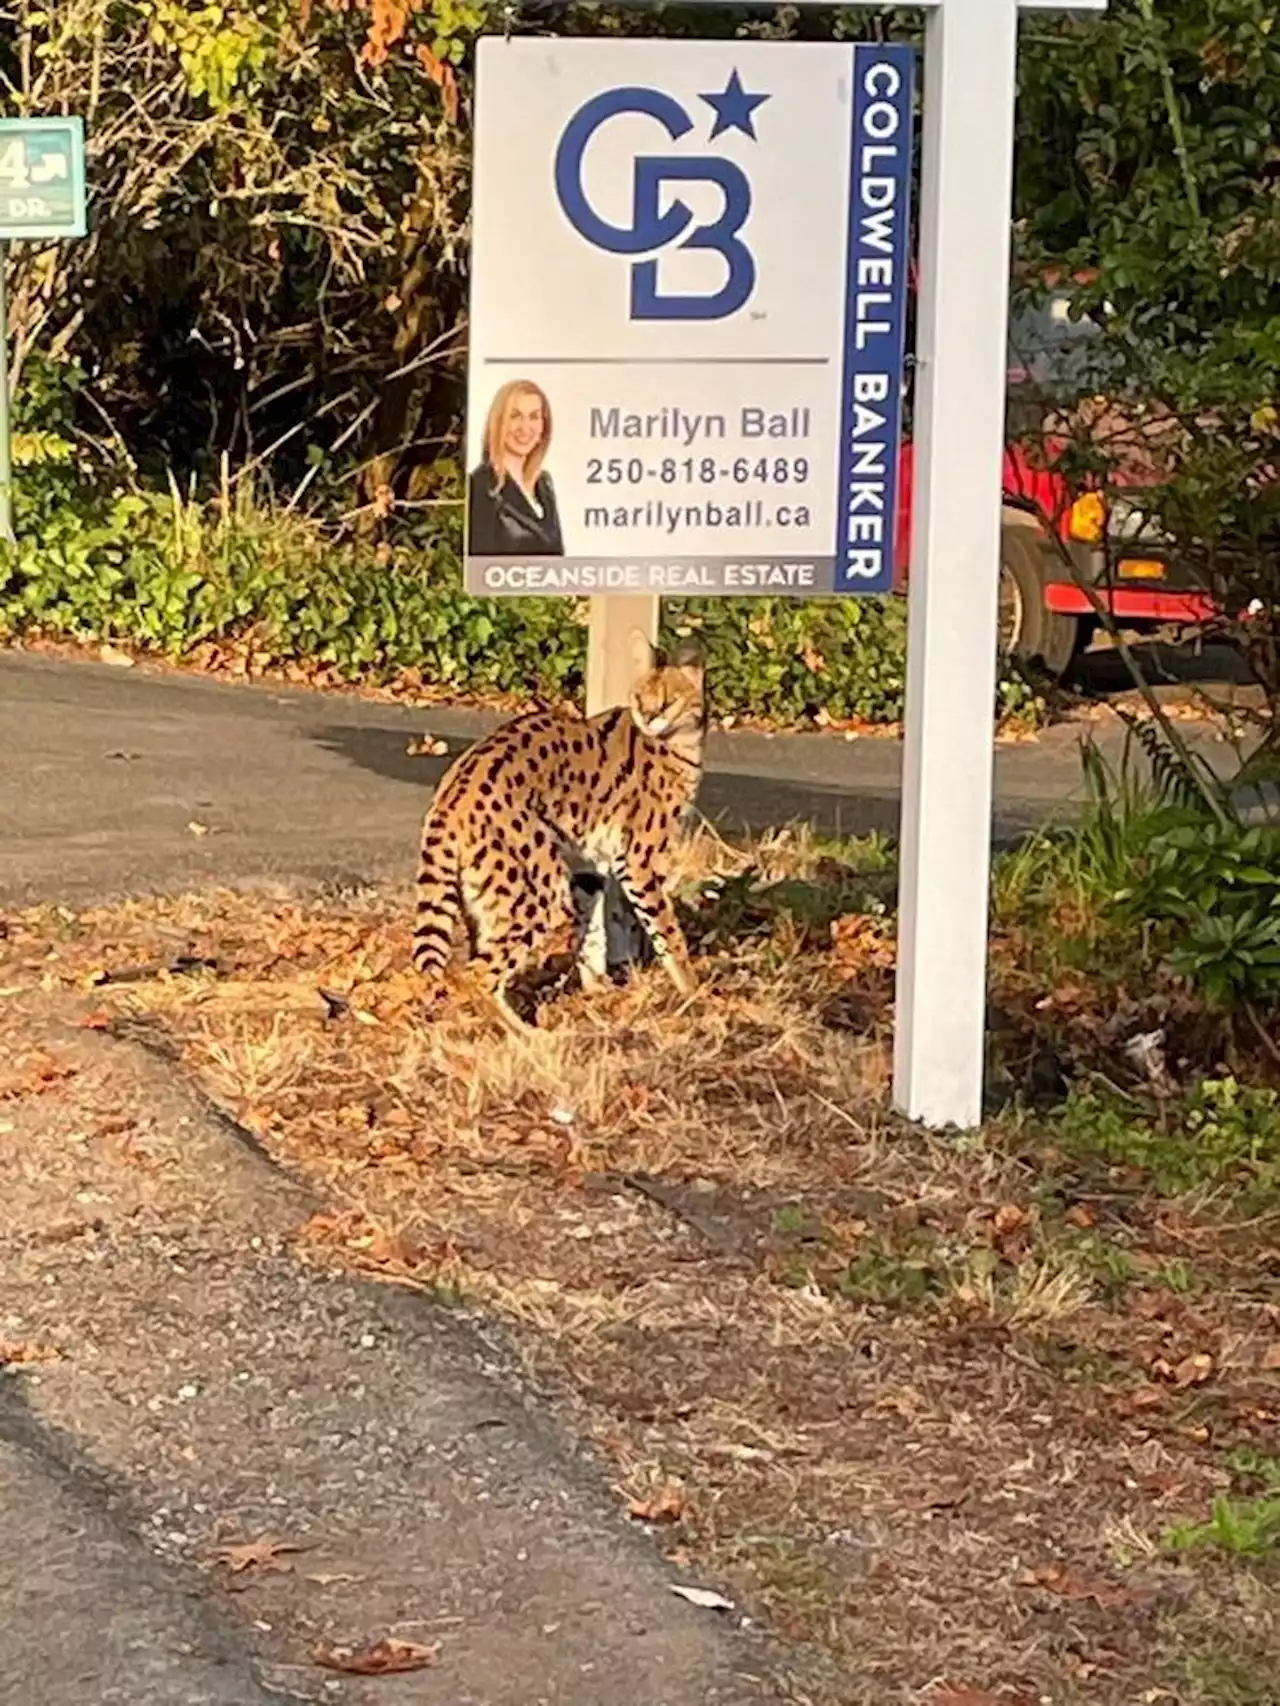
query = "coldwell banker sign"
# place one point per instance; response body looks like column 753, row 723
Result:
column 687, row 320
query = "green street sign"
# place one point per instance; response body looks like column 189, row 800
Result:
column 42, row 181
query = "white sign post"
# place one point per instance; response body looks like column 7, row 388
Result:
column 739, row 434
column 970, row 84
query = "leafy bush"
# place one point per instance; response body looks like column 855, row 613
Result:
column 1209, row 892
column 100, row 559
column 170, row 575
column 1170, row 862
column 1157, row 874
column 790, row 658
column 1223, row 1135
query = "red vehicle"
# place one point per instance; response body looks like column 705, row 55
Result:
column 1046, row 613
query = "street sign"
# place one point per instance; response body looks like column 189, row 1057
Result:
column 689, row 286
column 42, row 195
column 42, row 178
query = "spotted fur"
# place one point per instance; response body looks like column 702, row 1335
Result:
column 547, row 796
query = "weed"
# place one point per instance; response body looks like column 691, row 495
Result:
column 1229, row 1679
column 1027, row 1294
column 899, row 1277
column 1179, row 1277
column 1246, row 1528
column 1110, row 1265
column 1253, row 1470
column 793, row 1220
column 1156, row 873
column 1223, row 1135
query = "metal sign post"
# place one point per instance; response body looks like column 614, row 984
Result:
column 6, row 450
column 42, row 197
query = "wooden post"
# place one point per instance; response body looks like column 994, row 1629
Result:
column 612, row 660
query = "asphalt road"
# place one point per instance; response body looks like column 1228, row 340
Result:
column 117, row 781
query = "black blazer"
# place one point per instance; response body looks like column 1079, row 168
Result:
column 505, row 524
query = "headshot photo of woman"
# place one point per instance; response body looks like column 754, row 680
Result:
column 511, row 503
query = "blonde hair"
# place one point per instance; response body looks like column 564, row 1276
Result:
column 497, row 418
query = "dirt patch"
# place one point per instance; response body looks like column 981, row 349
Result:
column 932, row 1407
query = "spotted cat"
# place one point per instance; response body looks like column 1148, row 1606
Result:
column 547, row 796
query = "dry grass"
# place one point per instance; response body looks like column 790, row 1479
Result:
column 878, row 1382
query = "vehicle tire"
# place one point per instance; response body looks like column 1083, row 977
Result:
column 1029, row 631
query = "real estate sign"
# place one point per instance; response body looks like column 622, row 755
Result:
column 689, row 292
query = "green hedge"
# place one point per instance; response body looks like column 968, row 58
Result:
column 168, row 574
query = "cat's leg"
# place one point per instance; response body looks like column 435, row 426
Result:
column 643, row 876
column 524, row 915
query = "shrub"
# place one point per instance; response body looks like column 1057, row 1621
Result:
column 1223, row 1135
column 105, row 561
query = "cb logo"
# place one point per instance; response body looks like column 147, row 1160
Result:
column 653, row 229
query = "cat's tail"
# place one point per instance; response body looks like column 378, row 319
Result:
column 439, row 903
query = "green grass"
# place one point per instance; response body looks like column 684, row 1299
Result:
column 1245, row 1528
column 899, row 1277
column 1222, row 1136
column 1229, row 1679
column 1245, row 1523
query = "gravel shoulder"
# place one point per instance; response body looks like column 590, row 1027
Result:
column 206, row 1389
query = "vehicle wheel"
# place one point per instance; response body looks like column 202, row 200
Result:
column 1029, row 632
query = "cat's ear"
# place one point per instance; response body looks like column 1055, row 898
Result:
column 689, row 657
column 688, row 653
column 643, row 657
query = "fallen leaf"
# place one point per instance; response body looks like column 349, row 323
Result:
column 1191, row 1371
column 1142, row 1398
column 666, row 1506
column 326, row 1579
column 37, row 1073
column 1009, row 1218
column 336, row 1004
column 1271, row 1358
column 387, row 1657
column 1055, row 1579
column 430, row 746
column 22, row 1353
column 111, row 655
column 265, row 1553
column 703, row 1597
column 1081, row 1215
column 96, row 1021
column 198, row 829
column 957, row 1694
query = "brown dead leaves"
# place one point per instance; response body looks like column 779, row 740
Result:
column 666, row 1506
column 1056, row 1579
column 394, row 1253
column 36, row 1072
column 265, row 1554
column 960, row 1694
column 857, row 940
column 429, row 746
column 1194, row 1370
column 25, row 1353
column 387, row 1657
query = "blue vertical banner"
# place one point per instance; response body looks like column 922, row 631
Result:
column 875, row 325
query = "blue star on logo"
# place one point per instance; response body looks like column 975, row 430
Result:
column 733, row 108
